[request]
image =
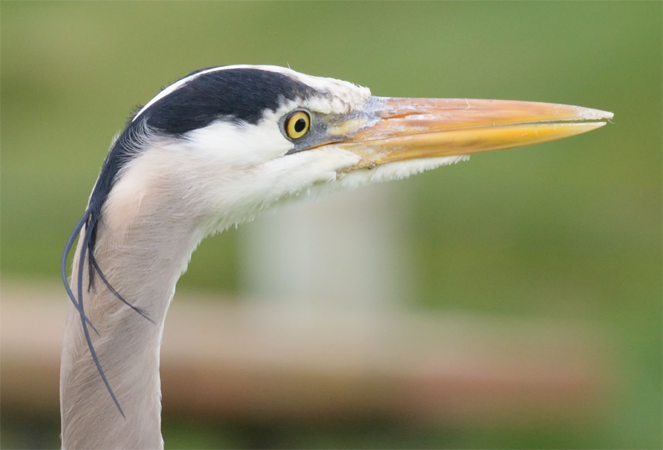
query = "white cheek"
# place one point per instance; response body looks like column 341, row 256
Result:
column 240, row 145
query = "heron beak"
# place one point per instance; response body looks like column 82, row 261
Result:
column 413, row 128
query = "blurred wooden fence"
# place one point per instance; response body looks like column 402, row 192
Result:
column 228, row 358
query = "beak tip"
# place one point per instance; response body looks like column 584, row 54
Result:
column 594, row 114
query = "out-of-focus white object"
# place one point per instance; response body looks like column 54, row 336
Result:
column 347, row 251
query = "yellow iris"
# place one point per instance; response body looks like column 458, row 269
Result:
column 297, row 124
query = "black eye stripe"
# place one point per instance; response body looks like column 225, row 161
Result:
column 230, row 94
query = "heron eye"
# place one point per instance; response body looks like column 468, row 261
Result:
column 297, row 124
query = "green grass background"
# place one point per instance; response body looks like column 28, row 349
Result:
column 570, row 229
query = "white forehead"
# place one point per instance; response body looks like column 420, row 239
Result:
column 337, row 96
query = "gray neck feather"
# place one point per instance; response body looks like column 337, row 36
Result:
column 142, row 260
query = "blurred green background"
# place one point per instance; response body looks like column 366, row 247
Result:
column 570, row 229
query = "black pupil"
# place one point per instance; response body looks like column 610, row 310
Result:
column 300, row 125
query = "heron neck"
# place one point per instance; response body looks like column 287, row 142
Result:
column 143, row 262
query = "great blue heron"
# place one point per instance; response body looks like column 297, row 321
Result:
column 214, row 150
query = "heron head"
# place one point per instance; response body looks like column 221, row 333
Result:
column 236, row 139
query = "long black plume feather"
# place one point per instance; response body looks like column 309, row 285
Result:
column 81, row 266
column 63, row 265
column 93, row 260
